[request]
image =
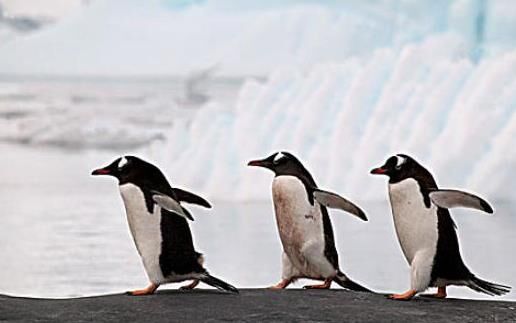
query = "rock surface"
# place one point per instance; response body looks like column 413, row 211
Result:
column 253, row 305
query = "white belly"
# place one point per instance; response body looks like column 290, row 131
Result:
column 416, row 225
column 300, row 228
column 145, row 229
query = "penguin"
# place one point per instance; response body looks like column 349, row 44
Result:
column 304, row 226
column 158, row 225
column 426, row 232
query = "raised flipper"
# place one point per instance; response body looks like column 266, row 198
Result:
column 171, row 205
column 184, row 196
column 453, row 198
column 335, row 201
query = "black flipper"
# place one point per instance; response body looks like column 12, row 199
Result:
column 347, row 283
column 488, row 288
column 184, row 196
column 217, row 283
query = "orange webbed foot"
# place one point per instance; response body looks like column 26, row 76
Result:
column 281, row 285
column 190, row 286
column 441, row 293
column 405, row 296
column 325, row 285
column 149, row 290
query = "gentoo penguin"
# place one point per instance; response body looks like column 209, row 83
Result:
column 158, row 224
column 426, row 231
column 304, row 225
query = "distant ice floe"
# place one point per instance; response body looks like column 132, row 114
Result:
column 34, row 117
column 342, row 119
column 117, row 114
column 73, row 130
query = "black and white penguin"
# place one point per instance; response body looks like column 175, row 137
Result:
column 304, row 225
column 426, row 231
column 158, row 224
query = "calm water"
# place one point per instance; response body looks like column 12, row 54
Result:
column 64, row 234
column 85, row 113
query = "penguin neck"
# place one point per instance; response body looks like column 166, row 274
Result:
column 300, row 172
column 422, row 176
column 149, row 202
column 148, row 184
column 425, row 181
column 305, row 178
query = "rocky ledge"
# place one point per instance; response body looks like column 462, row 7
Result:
column 253, row 305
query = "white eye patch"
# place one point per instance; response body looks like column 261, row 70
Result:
column 122, row 162
column 278, row 157
column 400, row 160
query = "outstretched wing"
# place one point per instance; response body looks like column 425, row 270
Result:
column 453, row 198
column 171, row 205
column 184, row 196
column 335, row 201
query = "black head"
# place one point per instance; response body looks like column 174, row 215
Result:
column 284, row 163
column 400, row 167
column 279, row 163
column 130, row 169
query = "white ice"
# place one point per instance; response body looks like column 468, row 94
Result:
column 347, row 85
column 342, row 119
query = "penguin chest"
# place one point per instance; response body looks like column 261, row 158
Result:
column 415, row 223
column 145, row 228
column 299, row 223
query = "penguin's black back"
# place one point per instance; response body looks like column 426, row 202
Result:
column 448, row 263
column 177, row 251
column 329, row 241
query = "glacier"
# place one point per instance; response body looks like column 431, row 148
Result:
column 345, row 85
column 428, row 100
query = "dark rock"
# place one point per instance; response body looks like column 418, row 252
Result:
column 254, row 305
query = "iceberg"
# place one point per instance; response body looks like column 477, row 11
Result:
column 429, row 100
column 343, row 85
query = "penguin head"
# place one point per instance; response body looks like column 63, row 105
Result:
column 129, row 169
column 280, row 163
column 398, row 168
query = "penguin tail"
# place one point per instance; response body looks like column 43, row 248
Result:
column 217, row 283
column 347, row 283
column 486, row 287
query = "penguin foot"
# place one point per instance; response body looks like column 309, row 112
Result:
column 325, row 285
column 191, row 286
column 149, row 290
column 281, row 285
column 441, row 293
column 405, row 296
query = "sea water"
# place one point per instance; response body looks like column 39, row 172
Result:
column 64, row 234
